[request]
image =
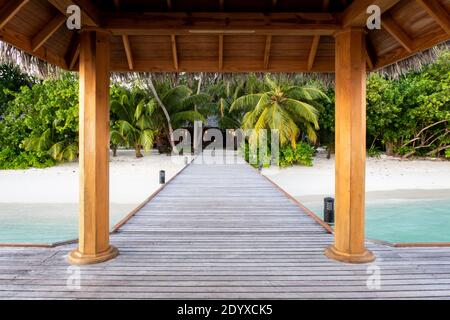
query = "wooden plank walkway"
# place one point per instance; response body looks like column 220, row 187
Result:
column 224, row 232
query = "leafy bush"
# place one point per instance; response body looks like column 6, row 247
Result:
column 302, row 155
column 40, row 126
column 447, row 153
column 11, row 80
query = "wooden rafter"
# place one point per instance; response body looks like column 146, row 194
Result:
column 438, row 12
column 73, row 52
column 316, row 40
column 267, row 51
column 356, row 14
column 313, row 52
column 221, row 52
column 90, row 16
column 128, row 52
column 126, row 43
column 220, row 23
column 10, row 10
column 392, row 27
column 173, row 39
column 46, row 33
column 169, row 5
column 370, row 53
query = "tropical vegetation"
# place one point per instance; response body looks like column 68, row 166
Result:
column 406, row 117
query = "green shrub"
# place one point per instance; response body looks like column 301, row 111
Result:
column 447, row 153
column 40, row 125
column 302, row 155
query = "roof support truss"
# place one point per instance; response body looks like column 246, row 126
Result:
column 11, row 9
column 439, row 13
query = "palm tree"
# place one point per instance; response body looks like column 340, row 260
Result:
column 223, row 94
column 179, row 106
column 135, row 126
column 285, row 108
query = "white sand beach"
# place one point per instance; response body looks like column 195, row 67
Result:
column 384, row 175
column 131, row 180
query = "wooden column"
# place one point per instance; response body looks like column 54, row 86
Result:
column 94, row 244
column 350, row 148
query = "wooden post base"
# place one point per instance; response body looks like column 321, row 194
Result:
column 78, row 258
column 365, row 257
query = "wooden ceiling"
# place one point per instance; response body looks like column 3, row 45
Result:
column 224, row 35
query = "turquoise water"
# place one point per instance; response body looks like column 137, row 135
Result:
column 404, row 220
column 46, row 223
column 388, row 220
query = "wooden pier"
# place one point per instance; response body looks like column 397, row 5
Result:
column 224, row 232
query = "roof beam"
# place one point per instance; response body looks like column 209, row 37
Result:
column 126, row 42
column 267, row 51
column 174, row 52
column 389, row 24
column 313, row 52
column 89, row 13
column 49, row 30
column 439, row 13
column 316, row 40
column 178, row 23
column 73, row 52
column 370, row 53
column 221, row 52
column 169, row 5
column 10, row 10
column 128, row 52
column 356, row 14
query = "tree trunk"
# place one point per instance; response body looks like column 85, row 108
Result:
column 390, row 148
column 114, row 150
column 137, row 149
column 164, row 109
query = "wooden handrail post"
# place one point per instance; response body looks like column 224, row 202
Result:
column 349, row 244
column 94, row 244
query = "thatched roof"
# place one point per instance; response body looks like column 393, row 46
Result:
column 26, row 62
column 42, row 69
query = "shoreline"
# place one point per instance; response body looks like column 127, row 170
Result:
column 132, row 180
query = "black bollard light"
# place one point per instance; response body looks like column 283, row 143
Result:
column 186, row 160
column 162, row 177
column 328, row 210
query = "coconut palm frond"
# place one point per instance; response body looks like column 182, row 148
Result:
column 271, row 83
column 195, row 100
column 305, row 93
column 311, row 132
column 246, row 102
column 146, row 139
column 117, row 138
column 174, row 96
column 303, row 110
column 187, row 116
column 139, row 109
